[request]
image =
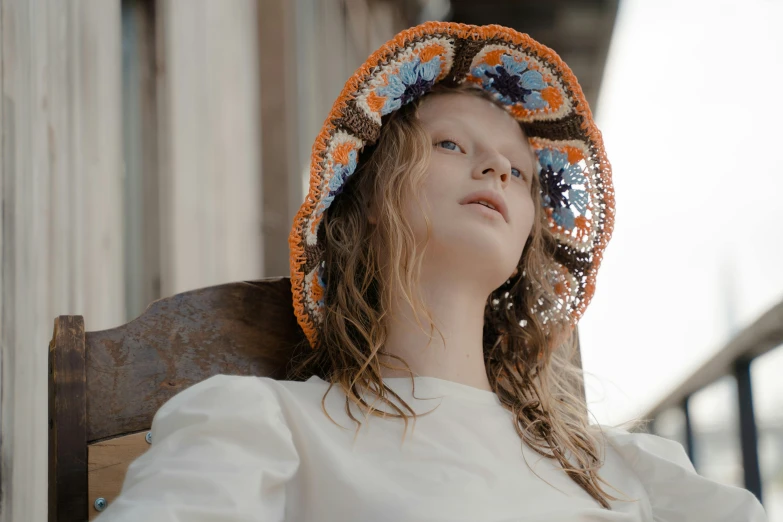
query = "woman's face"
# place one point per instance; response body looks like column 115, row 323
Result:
column 477, row 147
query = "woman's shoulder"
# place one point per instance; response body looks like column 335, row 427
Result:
column 218, row 389
column 219, row 398
column 638, row 448
column 233, row 395
column 221, row 448
column 676, row 492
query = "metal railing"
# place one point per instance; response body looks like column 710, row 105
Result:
column 764, row 335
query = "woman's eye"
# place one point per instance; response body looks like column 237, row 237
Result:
column 450, row 145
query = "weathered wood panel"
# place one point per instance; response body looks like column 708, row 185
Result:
column 209, row 150
column 98, row 163
column 238, row 328
column 61, row 220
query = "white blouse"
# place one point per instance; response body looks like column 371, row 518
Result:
column 236, row 449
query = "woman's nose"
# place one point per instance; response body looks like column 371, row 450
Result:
column 496, row 164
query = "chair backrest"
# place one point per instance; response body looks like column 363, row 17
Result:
column 105, row 386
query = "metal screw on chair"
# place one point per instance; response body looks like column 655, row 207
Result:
column 100, row 504
column 148, row 437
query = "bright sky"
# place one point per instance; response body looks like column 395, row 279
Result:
column 691, row 114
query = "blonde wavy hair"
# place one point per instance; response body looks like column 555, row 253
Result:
column 530, row 362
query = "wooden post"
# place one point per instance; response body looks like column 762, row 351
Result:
column 67, row 421
column 140, row 139
column 280, row 106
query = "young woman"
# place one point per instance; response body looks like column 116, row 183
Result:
column 459, row 205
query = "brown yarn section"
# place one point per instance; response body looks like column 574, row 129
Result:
column 464, row 52
column 357, row 123
column 569, row 128
column 313, row 255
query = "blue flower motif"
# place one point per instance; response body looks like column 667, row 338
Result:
column 513, row 82
column 534, row 101
column 564, row 218
column 412, row 80
column 558, row 192
column 579, row 200
column 339, row 177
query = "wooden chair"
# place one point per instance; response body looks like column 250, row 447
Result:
column 105, row 386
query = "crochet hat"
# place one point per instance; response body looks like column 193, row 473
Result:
column 536, row 88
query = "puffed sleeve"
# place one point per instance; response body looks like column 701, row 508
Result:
column 676, row 492
column 221, row 451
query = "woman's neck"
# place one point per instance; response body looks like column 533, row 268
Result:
column 459, row 315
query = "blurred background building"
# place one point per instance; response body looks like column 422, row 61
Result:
column 151, row 147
